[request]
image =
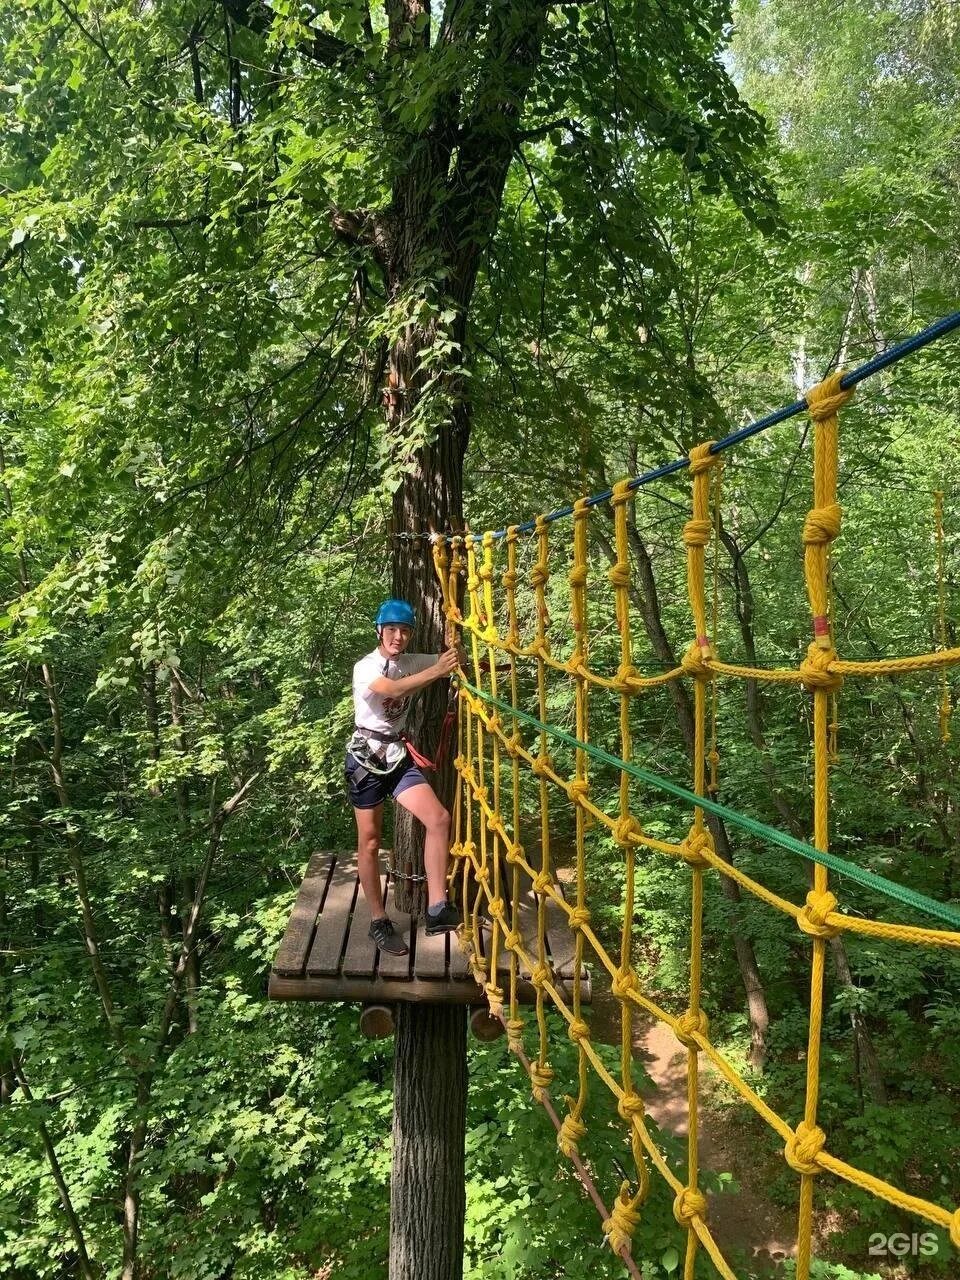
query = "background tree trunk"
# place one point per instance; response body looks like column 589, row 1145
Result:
column 427, row 1187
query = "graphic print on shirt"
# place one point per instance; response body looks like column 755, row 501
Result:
column 395, row 708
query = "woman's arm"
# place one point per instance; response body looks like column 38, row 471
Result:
column 444, row 666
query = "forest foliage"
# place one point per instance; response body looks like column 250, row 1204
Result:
column 204, row 284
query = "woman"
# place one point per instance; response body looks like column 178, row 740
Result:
column 379, row 765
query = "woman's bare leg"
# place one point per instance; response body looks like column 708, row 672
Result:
column 422, row 802
column 369, row 828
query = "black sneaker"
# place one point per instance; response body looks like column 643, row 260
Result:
column 446, row 919
column 387, row 938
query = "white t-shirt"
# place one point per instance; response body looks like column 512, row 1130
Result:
column 377, row 711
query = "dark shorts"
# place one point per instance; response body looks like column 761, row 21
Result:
column 375, row 787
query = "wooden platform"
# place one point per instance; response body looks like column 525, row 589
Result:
column 326, row 953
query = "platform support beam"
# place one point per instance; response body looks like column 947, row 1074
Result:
column 427, row 1181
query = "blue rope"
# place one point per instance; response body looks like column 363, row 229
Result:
column 938, row 330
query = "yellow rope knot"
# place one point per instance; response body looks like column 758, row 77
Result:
column 822, row 525
column 495, row 908
column 692, row 663
column 514, row 1034
column 578, row 1030
column 494, row 998
column 482, row 874
column 542, row 881
column 827, row 398
column 473, row 582
column 813, row 917
column 541, row 975
column 815, row 668
column 579, row 787
column 459, row 763
column 624, row 982
column 465, row 850
column 485, row 573
column 804, row 1147
column 626, row 673
column 514, row 853
column 512, row 939
column 492, row 722
column 541, row 765
column 572, row 1131
column 539, row 574
column 696, row 533
column 689, row 1204
column 622, row 493
column 691, row 1023
column 510, row 579
column 578, row 576
column 693, row 846
column 623, row 1220
column 701, row 459
column 630, row 1105
column 619, row 574
column 627, row 831
column 541, row 1077
column 578, row 917
column 495, row 824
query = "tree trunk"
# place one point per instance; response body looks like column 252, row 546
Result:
column 427, row 1186
column 430, row 497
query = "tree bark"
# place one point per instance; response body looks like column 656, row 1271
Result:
column 427, row 1186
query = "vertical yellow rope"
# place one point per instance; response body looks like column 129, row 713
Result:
column 540, row 575
column 821, row 527
column 514, row 1022
column 476, row 623
column 690, row 1204
column 625, row 1217
column 573, row 1129
column 713, row 755
column 945, row 706
column 496, row 904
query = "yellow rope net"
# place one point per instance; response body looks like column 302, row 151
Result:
column 491, row 857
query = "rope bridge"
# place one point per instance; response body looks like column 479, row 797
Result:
column 503, row 744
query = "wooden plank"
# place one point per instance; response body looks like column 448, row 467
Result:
column 430, row 961
column 459, row 961
column 324, row 957
column 561, row 940
column 527, row 926
column 397, row 968
column 363, row 991
column 292, row 952
column 360, row 957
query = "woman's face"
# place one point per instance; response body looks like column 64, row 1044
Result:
column 394, row 638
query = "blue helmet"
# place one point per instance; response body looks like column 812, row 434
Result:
column 395, row 613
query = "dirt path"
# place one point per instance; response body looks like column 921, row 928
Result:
column 754, row 1234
